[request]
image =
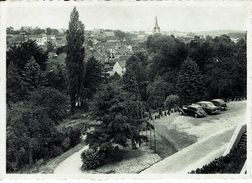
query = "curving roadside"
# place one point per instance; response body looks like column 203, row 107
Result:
column 72, row 164
column 196, row 155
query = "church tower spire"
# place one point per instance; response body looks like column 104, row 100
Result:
column 156, row 27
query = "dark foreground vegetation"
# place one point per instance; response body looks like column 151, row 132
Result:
column 42, row 92
column 231, row 163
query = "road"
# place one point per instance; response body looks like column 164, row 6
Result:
column 71, row 165
column 209, row 136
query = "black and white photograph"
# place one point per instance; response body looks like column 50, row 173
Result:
column 126, row 87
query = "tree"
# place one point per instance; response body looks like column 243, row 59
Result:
column 56, row 76
column 166, row 55
column 221, row 78
column 60, row 50
column 149, row 43
column 75, row 58
column 48, row 31
column 201, row 51
column 115, row 77
column 15, row 89
column 157, row 92
column 19, row 55
column 38, row 31
column 93, row 77
column 50, row 46
column 241, row 57
column 130, row 83
column 120, row 34
column 28, row 132
column 171, row 102
column 10, row 30
column 52, row 101
column 190, row 84
column 118, row 120
column 32, row 76
column 137, row 65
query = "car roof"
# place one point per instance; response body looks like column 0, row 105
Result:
column 204, row 102
column 218, row 100
column 194, row 105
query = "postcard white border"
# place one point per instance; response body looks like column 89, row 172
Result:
column 140, row 177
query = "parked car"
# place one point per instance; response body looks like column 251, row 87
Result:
column 192, row 110
column 209, row 107
column 220, row 103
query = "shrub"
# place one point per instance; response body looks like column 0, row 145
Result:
column 92, row 159
column 171, row 101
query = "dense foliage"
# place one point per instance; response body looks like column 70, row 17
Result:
column 20, row 55
column 36, row 103
column 218, row 66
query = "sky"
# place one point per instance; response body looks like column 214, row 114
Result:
column 133, row 16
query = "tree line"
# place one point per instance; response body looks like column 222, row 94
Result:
column 33, row 31
column 202, row 69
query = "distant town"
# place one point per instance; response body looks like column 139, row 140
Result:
column 111, row 47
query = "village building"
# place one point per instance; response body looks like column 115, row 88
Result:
column 119, row 67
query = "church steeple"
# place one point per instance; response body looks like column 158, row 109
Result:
column 156, row 27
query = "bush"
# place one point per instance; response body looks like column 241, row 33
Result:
column 91, row 159
column 171, row 101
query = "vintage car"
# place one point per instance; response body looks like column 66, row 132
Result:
column 220, row 103
column 192, row 110
column 209, row 107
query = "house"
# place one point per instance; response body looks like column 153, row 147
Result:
column 119, row 67
column 41, row 41
column 109, row 34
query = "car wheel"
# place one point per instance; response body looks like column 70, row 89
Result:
column 196, row 115
column 180, row 113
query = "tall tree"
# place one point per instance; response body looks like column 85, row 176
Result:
column 32, row 76
column 130, row 83
column 93, row 76
column 137, row 64
column 190, row 84
column 50, row 46
column 75, row 58
column 120, row 118
column 15, row 90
